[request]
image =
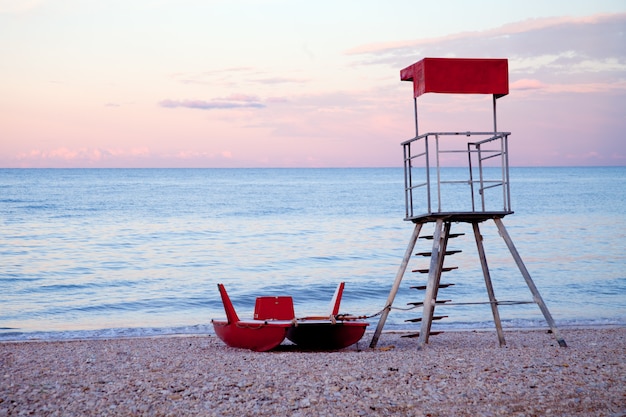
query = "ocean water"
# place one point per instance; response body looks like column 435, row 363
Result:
column 130, row 252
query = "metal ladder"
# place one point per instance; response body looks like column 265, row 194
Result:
column 437, row 255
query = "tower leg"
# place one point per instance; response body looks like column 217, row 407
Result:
column 487, row 275
column 531, row 285
column 396, row 284
column 440, row 241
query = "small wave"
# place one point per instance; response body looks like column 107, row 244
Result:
column 11, row 334
column 12, row 200
column 62, row 287
column 39, row 207
column 114, row 333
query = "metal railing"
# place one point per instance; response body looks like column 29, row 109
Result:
column 457, row 176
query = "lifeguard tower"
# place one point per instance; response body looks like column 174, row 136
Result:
column 475, row 193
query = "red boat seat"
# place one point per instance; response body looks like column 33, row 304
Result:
column 274, row 308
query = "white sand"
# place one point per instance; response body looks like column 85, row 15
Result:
column 457, row 374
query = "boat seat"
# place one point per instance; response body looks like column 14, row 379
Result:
column 274, row 308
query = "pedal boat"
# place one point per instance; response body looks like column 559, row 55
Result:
column 274, row 320
column 255, row 334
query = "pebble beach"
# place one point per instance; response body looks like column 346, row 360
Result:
column 457, row 374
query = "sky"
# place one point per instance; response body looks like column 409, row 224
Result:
column 290, row 83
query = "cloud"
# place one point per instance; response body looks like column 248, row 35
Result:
column 214, row 76
column 18, row 6
column 227, row 103
column 236, row 77
column 117, row 157
column 281, row 80
column 551, row 55
column 85, row 155
column 198, row 155
column 582, row 28
column 526, row 84
column 563, row 44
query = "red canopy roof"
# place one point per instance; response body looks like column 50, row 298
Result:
column 458, row 76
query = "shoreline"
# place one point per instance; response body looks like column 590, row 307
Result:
column 368, row 333
column 459, row 373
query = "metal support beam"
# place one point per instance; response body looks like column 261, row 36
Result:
column 415, row 110
column 495, row 123
column 396, row 284
column 488, row 284
column 531, row 285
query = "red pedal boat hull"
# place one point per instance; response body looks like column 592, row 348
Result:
column 257, row 335
column 254, row 334
column 325, row 335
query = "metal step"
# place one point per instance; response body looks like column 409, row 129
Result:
column 450, row 236
column 420, row 319
column 417, row 334
column 421, row 303
column 448, row 252
column 423, row 287
column 444, row 269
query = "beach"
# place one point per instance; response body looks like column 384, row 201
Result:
column 462, row 373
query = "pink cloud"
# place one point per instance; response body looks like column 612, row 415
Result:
column 527, row 84
column 529, row 25
column 612, row 87
column 18, row 7
column 118, row 157
column 211, row 104
column 63, row 154
column 563, row 54
column 237, row 76
column 195, row 154
column 84, row 155
column 240, row 97
column 208, row 77
column 280, row 80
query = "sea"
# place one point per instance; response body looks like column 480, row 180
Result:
column 107, row 253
